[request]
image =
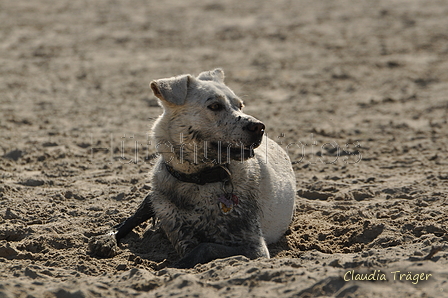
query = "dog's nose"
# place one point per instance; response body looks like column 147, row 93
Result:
column 256, row 128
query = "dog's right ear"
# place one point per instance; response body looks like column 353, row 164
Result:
column 172, row 90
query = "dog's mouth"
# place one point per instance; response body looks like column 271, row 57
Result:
column 236, row 151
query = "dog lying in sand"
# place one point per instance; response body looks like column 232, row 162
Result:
column 220, row 187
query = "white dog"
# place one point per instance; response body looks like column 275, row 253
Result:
column 219, row 187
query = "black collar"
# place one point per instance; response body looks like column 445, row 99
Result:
column 209, row 175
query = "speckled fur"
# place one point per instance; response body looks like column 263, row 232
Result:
column 190, row 213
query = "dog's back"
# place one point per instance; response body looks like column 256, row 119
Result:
column 277, row 189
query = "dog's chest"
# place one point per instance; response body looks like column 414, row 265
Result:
column 207, row 207
column 211, row 199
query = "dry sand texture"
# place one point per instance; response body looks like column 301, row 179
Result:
column 360, row 86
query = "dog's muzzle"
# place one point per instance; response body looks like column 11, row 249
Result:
column 243, row 150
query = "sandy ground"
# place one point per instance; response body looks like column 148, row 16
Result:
column 355, row 90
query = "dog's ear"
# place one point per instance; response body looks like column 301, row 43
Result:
column 213, row 75
column 172, row 90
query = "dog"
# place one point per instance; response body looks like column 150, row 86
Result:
column 220, row 186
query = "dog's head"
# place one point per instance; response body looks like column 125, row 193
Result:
column 202, row 113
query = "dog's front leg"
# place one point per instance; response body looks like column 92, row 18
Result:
column 144, row 212
column 206, row 252
column 107, row 245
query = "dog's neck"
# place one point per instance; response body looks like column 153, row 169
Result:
column 218, row 173
column 187, row 163
column 187, row 171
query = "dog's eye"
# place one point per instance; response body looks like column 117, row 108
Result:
column 241, row 106
column 216, row 107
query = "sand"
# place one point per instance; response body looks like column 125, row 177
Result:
column 356, row 91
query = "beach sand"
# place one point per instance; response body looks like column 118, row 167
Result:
column 356, row 91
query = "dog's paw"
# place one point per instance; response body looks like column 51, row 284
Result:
column 104, row 246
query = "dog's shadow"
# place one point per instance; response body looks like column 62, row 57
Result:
column 152, row 245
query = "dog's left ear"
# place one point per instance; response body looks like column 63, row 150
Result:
column 213, row 75
column 172, row 90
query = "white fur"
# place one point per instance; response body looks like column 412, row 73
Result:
column 277, row 189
